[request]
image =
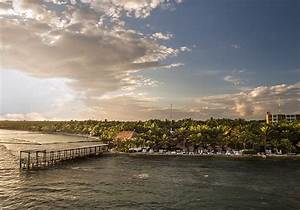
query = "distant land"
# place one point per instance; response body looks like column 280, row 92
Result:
column 186, row 136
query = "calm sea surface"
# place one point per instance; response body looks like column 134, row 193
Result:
column 143, row 182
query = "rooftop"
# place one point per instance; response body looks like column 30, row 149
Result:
column 125, row 135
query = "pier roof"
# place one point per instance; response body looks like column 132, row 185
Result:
column 33, row 150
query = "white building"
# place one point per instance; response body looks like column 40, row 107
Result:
column 278, row 117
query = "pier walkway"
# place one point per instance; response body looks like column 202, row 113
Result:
column 30, row 159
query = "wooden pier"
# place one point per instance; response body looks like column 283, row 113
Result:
column 30, row 159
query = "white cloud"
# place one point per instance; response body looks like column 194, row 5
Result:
column 98, row 57
column 174, row 65
column 88, row 44
column 235, row 78
column 159, row 35
column 185, row 49
column 135, row 8
column 254, row 103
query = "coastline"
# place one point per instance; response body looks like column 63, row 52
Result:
column 211, row 156
column 56, row 133
column 74, row 134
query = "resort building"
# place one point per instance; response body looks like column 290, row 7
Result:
column 125, row 135
column 278, row 117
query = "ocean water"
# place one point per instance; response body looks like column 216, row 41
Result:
column 143, row 182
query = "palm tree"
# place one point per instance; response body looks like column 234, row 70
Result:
column 265, row 130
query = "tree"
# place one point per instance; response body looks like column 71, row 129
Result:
column 265, row 130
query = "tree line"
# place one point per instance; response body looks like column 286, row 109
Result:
column 165, row 134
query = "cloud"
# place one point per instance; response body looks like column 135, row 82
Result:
column 174, row 65
column 185, row 49
column 254, row 103
column 28, row 116
column 159, row 35
column 235, row 78
column 135, row 8
column 88, row 45
column 250, row 104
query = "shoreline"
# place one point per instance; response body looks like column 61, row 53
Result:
column 212, row 156
column 216, row 156
column 56, row 133
column 74, row 134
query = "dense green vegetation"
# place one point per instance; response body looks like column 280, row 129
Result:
column 157, row 134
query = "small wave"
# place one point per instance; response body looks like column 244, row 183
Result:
column 82, row 169
column 142, row 176
column 17, row 141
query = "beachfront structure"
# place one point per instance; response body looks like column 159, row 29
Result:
column 278, row 117
column 125, row 135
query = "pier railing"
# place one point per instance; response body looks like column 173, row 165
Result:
column 30, row 159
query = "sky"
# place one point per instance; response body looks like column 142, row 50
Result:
column 132, row 59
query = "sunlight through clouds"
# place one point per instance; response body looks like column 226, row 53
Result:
column 116, row 57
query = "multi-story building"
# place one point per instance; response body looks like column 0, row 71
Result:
column 278, row 117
